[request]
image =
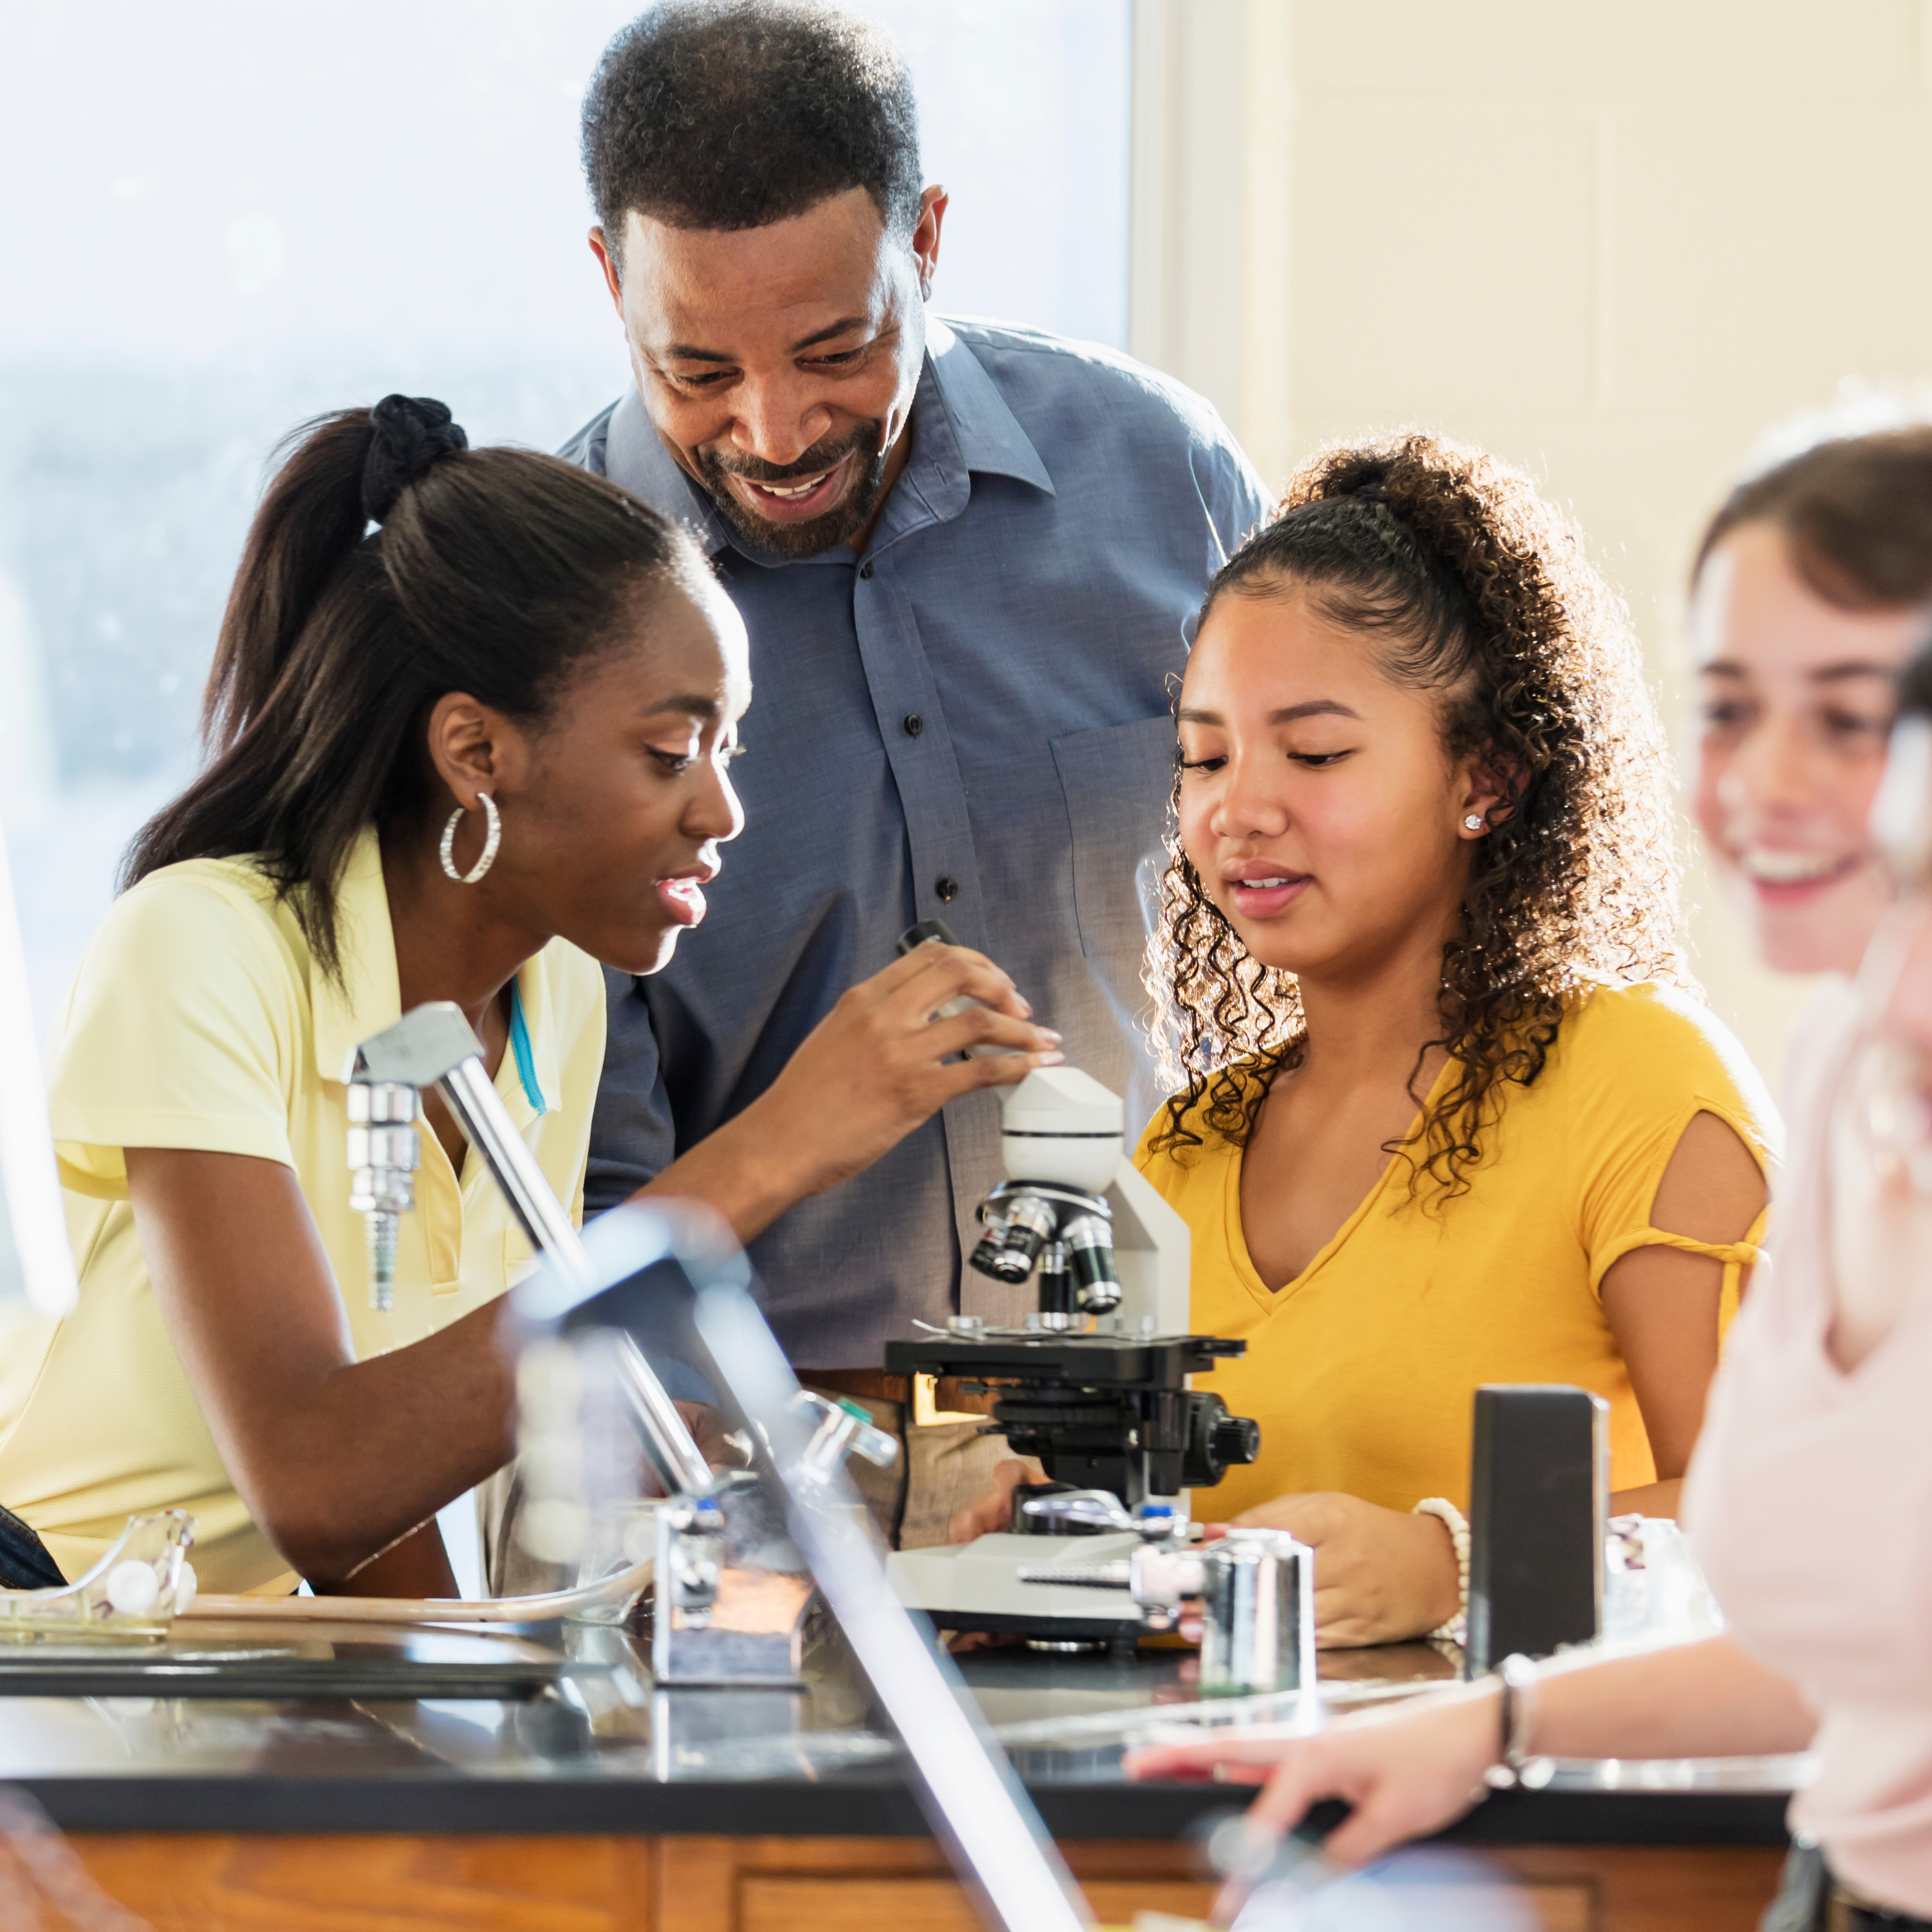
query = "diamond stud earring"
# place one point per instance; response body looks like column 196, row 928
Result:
column 1473, row 822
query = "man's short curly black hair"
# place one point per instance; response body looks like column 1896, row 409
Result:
column 734, row 113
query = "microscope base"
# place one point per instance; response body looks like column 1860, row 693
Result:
column 978, row 1586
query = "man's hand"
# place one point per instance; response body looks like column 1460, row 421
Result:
column 992, row 1509
column 1380, row 1575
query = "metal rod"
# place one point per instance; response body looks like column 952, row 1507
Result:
column 994, row 1834
column 487, row 1126
column 981, row 1803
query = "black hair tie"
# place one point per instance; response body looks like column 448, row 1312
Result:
column 411, row 433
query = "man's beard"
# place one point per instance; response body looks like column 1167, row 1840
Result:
column 849, row 515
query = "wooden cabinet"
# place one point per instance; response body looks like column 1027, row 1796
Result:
column 215, row 1882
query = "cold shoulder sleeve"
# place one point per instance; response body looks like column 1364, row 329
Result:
column 1647, row 1060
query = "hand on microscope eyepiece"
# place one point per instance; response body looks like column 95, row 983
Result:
column 877, row 1065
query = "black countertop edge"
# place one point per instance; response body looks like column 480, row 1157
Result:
column 842, row 1808
column 1507, row 1818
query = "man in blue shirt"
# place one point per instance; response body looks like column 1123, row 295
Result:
column 964, row 554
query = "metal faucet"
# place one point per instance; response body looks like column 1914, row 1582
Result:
column 656, row 1256
column 435, row 1046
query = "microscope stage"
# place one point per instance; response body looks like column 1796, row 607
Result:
column 1094, row 1361
column 981, row 1585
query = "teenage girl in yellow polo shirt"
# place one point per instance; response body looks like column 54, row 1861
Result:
column 1450, row 1111
column 465, row 757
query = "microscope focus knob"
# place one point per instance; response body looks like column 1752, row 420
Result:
column 1237, row 1438
column 1216, row 1440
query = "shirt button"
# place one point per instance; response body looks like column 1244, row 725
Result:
column 947, row 888
column 865, row 571
column 914, row 724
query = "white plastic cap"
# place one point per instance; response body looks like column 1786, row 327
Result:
column 1061, row 1125
column 1063, row 1100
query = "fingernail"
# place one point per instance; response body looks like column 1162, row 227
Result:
column 1047, row 1033
column 1048, row 1059
column 1026, row 1005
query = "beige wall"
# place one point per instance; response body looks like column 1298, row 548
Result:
column 1612, row 242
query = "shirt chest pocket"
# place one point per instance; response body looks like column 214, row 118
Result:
column 1117, row 782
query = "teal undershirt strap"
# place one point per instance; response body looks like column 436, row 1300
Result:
column 519, row 1045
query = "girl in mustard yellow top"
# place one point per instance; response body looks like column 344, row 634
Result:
column 1449, row 1112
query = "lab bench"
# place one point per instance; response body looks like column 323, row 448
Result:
column 595, row 1805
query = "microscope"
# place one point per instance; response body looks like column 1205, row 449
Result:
column 1093, row 1384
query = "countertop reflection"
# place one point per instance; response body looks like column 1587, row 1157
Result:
column 602, row 1749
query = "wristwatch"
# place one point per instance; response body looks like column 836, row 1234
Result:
column 1516, row 1722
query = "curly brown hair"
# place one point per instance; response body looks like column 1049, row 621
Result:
column 1471, row 585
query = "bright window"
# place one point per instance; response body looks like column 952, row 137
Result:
column 222, row 219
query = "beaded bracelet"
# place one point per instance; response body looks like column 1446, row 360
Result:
column 1452, row 1629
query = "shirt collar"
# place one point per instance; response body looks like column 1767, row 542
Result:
column 368, row 998
column 961, row 426
column 991, row 441
column 634, row 456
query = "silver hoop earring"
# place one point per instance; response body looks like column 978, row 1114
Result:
column 1473, row 823
column 493, row 833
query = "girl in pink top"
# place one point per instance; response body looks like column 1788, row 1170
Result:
column 1810, row 1496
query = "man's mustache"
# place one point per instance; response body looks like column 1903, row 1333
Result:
column 813, row 462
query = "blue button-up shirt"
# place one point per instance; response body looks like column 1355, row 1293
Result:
column 970, row 721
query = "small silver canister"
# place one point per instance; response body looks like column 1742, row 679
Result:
column 1258, row 1613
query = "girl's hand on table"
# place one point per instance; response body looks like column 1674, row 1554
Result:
column 1381, row 1576
column 1406, row 1772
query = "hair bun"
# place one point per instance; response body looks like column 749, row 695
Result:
column 411, row 433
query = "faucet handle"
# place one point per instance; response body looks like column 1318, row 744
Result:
column 841, row 1429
